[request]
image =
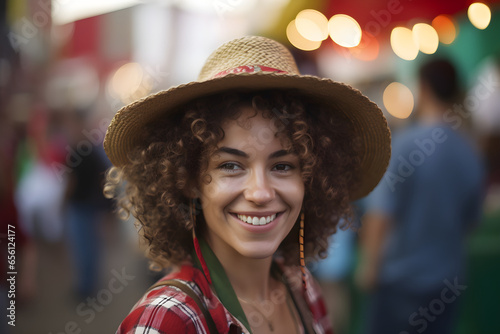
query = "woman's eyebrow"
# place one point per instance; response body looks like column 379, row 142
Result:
column 279, row 154
column 232, row 151
column 239, row 153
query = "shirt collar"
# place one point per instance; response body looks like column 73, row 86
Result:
column 220, row 283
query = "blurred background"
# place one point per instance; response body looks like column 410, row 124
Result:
column 67, row 66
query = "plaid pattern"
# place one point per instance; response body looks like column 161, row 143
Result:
column 166, row 309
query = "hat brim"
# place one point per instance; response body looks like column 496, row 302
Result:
column 369, row 123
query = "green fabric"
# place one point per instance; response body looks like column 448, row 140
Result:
column 220, row 283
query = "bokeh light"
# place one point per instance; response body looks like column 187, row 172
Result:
column 479, row 15
column 402, row 43
column 368, row 49
column 426, row 37
column 446, row 28
column 312, row 25
column 344, row 30
column 298, row 40
column 129, row 83
column 398, row 100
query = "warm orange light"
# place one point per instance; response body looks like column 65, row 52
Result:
column 368, row 49
column 446, row 28
column 398, row 100
column 298, row 40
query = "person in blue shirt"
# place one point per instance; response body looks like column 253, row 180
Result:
column 417, row 218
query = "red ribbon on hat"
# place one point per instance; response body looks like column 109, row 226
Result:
column 248, row 69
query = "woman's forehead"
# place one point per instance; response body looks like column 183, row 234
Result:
column 251, row 130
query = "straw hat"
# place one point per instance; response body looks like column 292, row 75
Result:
column 256, row 63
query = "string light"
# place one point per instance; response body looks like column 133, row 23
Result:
column 426, row 37
column 297, row 40
column 446, row 28
column 398, row 100
column 312, row 25
column 402, row 43
column 479, row 15
column 344, row 30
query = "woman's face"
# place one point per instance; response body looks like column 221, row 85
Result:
column 254, row 191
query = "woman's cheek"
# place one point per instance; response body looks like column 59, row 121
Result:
column 221, row 187
column 294, row 185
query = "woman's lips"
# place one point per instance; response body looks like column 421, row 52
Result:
column 258, row 218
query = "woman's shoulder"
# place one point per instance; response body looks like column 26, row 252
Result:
column 166, row 315
column 169, row 308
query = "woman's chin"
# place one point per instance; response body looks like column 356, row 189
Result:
column 258, row 252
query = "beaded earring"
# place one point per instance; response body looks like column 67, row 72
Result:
column 301, row 251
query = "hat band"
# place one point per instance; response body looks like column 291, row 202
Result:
column 248, row 69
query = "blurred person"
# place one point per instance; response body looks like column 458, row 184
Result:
column 412, row 239
column 17, row 250
column 233, row 180
column 40, row 191
column 85, row 203
column 18, row 254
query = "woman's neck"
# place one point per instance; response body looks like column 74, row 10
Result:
column 250, row 278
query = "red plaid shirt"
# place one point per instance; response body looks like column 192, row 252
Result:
column 166, row 309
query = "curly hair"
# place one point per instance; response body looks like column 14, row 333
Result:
column 160, row 172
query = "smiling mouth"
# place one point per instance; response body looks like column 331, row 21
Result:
column 253, row 220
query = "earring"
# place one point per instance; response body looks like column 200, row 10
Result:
column 301, row 251
column 204, row 267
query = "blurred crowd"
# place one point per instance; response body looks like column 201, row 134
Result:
column 422, row 255
column 425, row 257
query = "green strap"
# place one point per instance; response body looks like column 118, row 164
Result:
column 220, row 282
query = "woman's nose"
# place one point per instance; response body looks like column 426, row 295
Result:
column 259, row 189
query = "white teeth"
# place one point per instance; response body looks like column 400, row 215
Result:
column 257, row 220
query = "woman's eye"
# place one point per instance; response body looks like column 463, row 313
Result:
column 229, row 166
column 282, row 167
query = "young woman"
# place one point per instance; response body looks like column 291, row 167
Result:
column 234, row 181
